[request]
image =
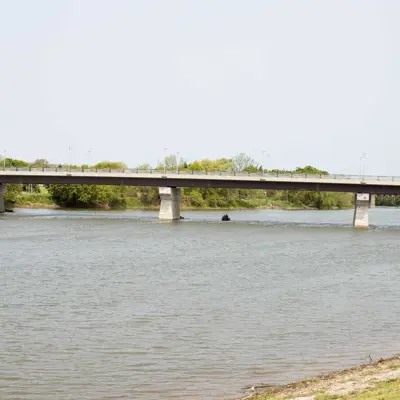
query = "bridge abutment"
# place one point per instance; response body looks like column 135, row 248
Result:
column 2, row 195
column 361, row 205
column 170, row 207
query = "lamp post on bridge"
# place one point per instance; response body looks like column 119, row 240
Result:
column 5, row 156
column 89, row 154
column 177, row 162
column 165, row 158
column 265, row 157
column 69, row 157
column 362, row 158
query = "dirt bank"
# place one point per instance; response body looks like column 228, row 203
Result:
column 379, row 380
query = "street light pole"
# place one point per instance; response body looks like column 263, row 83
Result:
column 89, row 154
column 177, row 162
column 5, row 152
column 165, row 160
column 69, row 157
column 265, row 157
column 362, row 158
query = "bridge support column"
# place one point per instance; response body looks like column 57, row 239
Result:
column 361, row 205
column 170, row 207
column 372, row 198
column 2, row 194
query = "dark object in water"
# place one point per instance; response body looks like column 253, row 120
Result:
column 8, row 210
column 181, row 217
column 225, row 218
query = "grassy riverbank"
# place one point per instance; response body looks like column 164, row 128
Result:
column 34, row 200
column 253, row 204
column 379, row 380
column 44, row 200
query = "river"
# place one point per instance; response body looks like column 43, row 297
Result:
column 106, row 305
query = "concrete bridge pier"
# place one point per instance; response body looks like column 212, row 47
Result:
column 170, row 207
column 2, row 194
column 361, row 205
column 372, row 198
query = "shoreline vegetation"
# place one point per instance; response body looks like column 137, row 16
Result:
column 147, row 198
column 377, row 380
column 44, row 200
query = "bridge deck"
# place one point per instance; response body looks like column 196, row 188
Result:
column 338, row 183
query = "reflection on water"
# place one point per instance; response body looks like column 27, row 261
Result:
column 99, row 305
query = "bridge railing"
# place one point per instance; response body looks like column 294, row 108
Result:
column 159, row 172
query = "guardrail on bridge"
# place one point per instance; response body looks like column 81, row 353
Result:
column 159, row 172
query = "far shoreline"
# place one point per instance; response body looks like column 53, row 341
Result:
column 156, row 208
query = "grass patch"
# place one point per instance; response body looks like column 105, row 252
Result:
column 133, row 202
column 388, row 390
column 26, row 198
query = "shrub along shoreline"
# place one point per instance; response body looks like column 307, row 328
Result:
column 45, row 201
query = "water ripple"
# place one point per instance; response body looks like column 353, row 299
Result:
column 107, row 306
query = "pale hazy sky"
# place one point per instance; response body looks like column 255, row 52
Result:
column 311, row 82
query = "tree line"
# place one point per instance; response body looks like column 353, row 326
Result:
column 387, row 200
column 77, row 196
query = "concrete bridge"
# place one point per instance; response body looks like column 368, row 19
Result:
column 364, row 187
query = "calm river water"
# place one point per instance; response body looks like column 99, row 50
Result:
column 106, row 305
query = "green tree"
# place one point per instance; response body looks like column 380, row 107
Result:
column 252, row 169
column 40, row 163
column 388, row 200
column 242, row 161
column 111, row 165
column 88, row 196
column 170, row 161
column 12, row 163
column 195, row 166
column 12, row 193
column 310, row 170
column 149, row 196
